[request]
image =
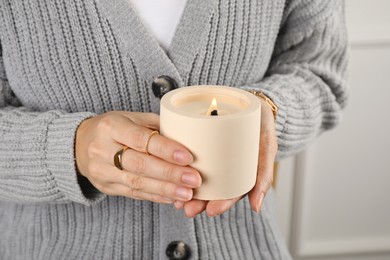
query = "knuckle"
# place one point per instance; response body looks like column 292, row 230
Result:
column 136, row 183
column 165, row 189
column 138, row 164
column 168, row 172
column 265, row 173
column 138, row 138
column 94, row 149
column 134, row 193
column 105, row 122
column 267, row 181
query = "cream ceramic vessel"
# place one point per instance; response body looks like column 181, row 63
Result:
column 225, row 147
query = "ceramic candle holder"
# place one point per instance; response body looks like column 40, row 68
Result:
column 225, row 147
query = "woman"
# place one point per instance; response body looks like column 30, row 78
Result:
column 81, row 79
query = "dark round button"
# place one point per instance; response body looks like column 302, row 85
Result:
column 178, row 250
column 162, row 85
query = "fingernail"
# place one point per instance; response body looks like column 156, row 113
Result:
column 259, row 202
column 190, row 179
column 182, row 157
column 183, row 193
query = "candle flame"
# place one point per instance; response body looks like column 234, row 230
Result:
column 213, row 106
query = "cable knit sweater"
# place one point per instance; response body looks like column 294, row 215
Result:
column 64, row 61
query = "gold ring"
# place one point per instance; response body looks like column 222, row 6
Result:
column 118, row 158
column 147, row 142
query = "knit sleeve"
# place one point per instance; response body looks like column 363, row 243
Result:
column 307, row 74
column 37, row 153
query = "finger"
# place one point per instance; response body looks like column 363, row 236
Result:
column 146, row 184
column 179, row 204
column 194, row 207
column 116, row 189
column 151, row 166
column 135, row 136
column 169, row 150
column 110, row 174
column 124, row 131
column 148, row 120
column 217, row 207
column 267, row 153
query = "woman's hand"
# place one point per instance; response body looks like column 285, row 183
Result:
column 162, row 176
column 267, row 151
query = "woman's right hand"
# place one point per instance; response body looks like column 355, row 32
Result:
column 162, row 176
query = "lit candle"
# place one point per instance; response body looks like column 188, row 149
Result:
column 225, row 147
column 213, row 109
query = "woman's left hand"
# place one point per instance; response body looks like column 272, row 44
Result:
column 267, row 151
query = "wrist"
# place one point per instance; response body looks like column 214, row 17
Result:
column 78, row 145
column 267, row 100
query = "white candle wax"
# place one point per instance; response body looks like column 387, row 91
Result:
column 225, row 147
column 201, row 108
column 197, row 102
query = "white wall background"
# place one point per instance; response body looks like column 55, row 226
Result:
column 334, row 198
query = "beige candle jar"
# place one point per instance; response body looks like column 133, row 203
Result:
column 225, row 147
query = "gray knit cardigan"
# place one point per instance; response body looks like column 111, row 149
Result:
column 64, row 61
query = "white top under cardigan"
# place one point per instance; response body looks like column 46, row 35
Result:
column 161, row 17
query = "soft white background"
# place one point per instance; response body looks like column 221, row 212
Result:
column 334, row 198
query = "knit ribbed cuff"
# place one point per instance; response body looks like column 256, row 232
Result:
column 60, row 159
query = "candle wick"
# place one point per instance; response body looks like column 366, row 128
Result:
column 214, row 113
